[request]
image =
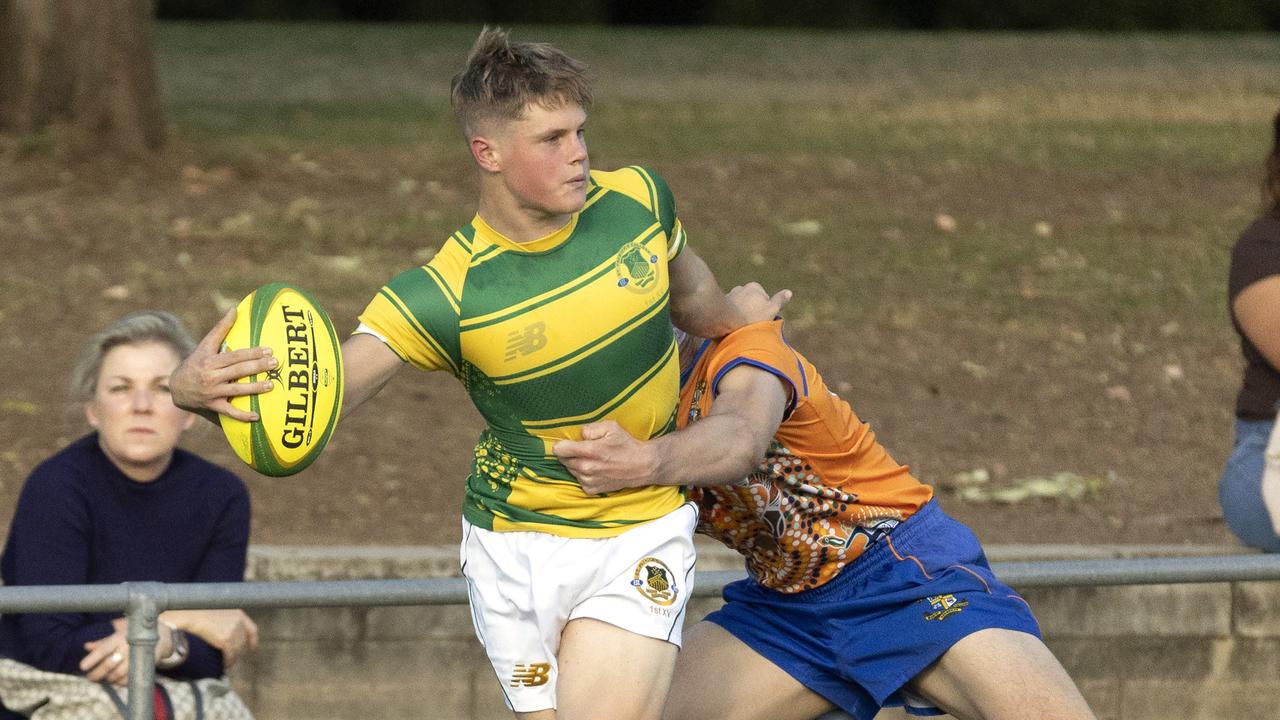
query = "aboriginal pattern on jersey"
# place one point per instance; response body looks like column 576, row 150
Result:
column 826, row 489
column 546, row 337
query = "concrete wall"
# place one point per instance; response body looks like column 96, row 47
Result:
column 1208, row 651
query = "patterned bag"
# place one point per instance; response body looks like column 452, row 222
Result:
column 42, row 695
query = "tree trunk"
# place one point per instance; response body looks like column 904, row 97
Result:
column 86, row 63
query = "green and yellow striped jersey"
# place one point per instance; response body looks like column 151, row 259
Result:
column 548, row 336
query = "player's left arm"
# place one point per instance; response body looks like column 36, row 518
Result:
column 725, row 446
column 698, row 305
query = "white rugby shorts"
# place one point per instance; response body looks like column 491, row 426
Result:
column 524, row 587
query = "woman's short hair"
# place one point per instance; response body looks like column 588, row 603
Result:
column 132, row 329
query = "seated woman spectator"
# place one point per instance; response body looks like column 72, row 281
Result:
column 1254, row 292
column 123, row 503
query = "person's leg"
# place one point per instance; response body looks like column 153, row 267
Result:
column 608, row 672
column 998, row 674
column 1240, row 489
column 519, row 628
column 718, row 677
column 947, row 633
column 618, row 648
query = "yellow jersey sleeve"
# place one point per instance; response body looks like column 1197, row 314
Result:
column 417, row 312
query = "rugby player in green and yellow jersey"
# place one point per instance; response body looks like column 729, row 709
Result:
column 554, row 308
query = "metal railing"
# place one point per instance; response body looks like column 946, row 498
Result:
column 142, row 602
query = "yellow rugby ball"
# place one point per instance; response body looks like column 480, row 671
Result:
column 298, row 414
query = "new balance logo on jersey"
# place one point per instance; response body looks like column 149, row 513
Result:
column 529, row 340
column 530, row 674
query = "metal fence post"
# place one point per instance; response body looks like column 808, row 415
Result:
column 146, row 600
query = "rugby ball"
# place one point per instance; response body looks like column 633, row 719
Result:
column 298, row 414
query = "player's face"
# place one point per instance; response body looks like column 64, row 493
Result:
column 544, row 159
column 138, row 424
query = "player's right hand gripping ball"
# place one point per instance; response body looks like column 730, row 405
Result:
column 297, row 416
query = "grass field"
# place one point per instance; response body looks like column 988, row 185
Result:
column 1008, row 251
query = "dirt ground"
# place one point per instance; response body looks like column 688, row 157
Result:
column 1126, row 458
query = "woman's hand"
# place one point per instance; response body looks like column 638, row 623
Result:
column 108, row 658
column 231, row 631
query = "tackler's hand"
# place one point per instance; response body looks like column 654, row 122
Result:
column 755, row 304
column 608, row 458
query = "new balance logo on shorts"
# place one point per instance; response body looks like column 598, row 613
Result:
column 530, row 674
column 529, row 340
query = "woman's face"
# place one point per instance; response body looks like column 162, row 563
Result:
column 138, row 424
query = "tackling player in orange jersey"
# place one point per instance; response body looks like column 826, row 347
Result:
column 861, row 592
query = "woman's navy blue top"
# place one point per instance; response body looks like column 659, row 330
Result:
column 80, row 521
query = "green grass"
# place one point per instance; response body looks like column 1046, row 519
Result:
column 1140, row 150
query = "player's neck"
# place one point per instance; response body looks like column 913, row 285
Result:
column 517, row 222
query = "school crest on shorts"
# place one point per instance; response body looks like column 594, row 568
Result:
column 636, row 266
column 944, row 606
column 654, row 580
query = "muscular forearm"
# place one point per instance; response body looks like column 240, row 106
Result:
column 723, row 447
column 698, row 306
column 729, row 443
column 706, row 314
column 717, row 450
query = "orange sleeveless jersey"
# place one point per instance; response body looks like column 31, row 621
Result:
column 826, row 486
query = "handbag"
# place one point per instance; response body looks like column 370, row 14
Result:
column 42, row 695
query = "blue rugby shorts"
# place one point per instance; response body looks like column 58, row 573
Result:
column 857, row 639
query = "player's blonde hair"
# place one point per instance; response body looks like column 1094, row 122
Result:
column 133, row 329
column 502, row 78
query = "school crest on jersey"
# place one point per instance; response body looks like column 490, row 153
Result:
column 637, row 267
column 654, row 580
column 944, row 606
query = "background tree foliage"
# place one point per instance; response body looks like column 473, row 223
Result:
column 86, row 65
column 1240, row 15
